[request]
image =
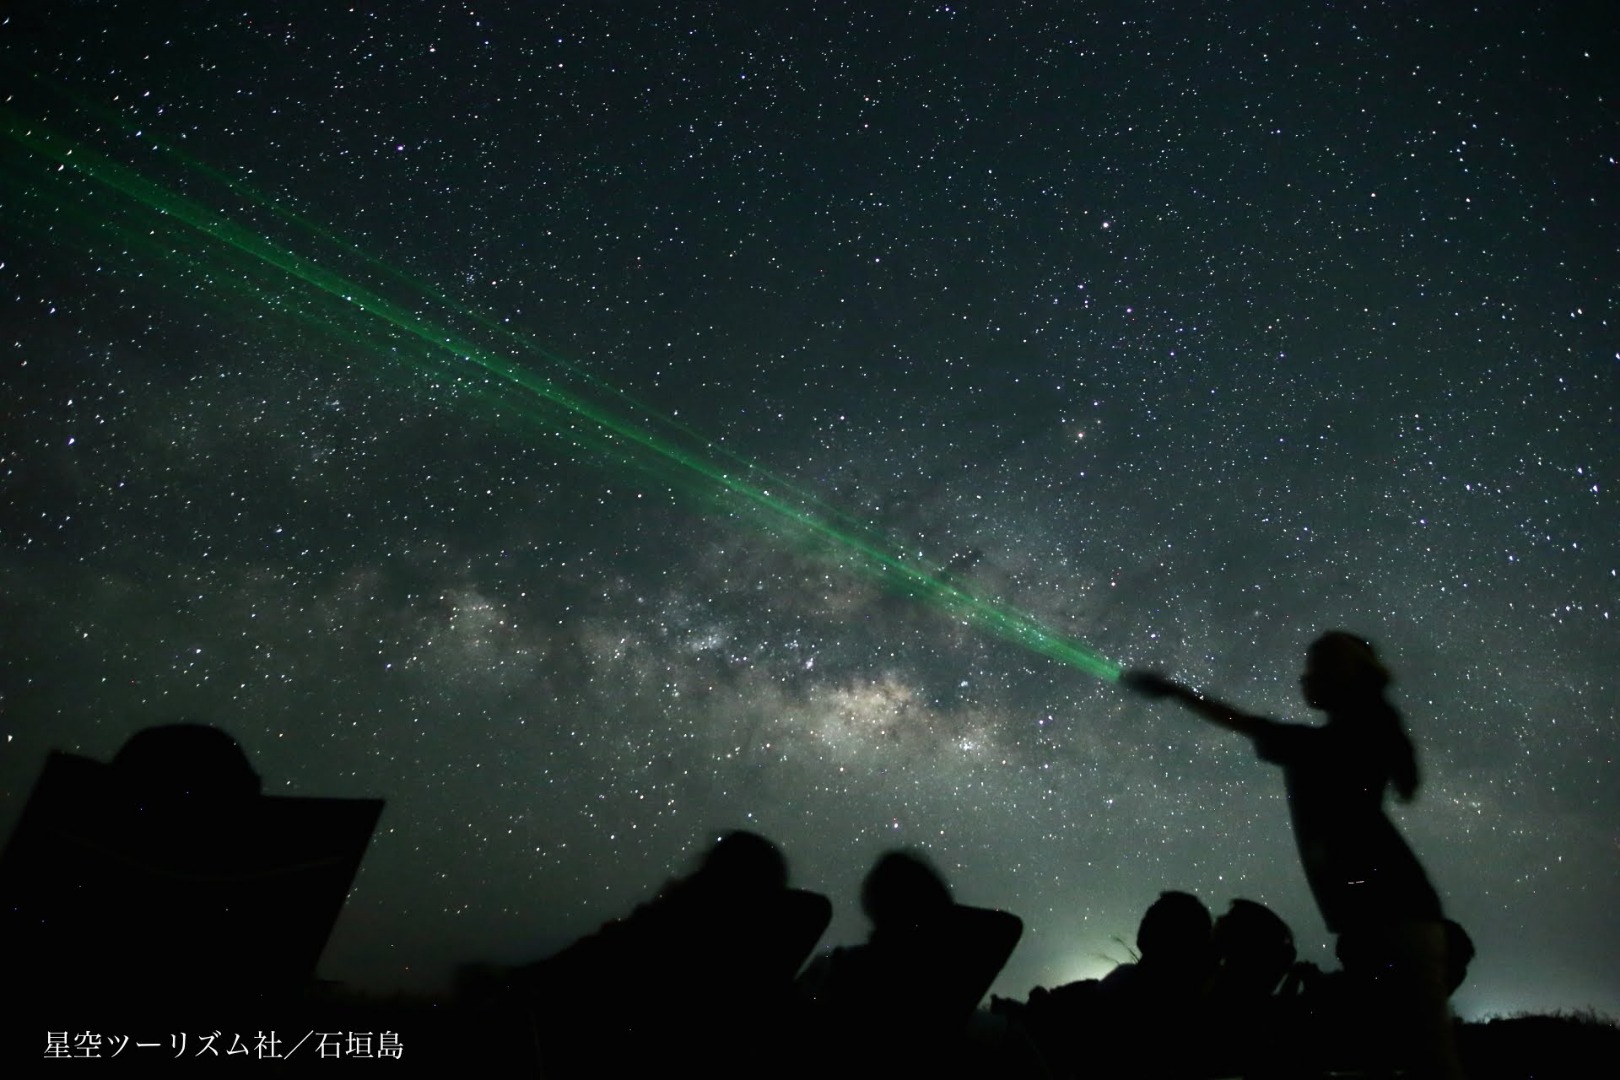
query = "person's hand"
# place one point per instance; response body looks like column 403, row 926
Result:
column 1148, row 683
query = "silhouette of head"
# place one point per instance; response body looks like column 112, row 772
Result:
column 186, row 760
column 745, row 862
column 1342, row 670
column 1175, row 930
column 1254, row 946
column 903, row 889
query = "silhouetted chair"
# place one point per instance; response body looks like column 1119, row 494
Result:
column 166, row 877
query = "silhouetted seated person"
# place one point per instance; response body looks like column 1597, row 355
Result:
column 699, row 976
column 1176, row 957
column 1142, row 1018
column 172, row 763
column 1254, row 949
column 1164, row 991
column 1249, row 1026
column 904, row 999
column 166, row 878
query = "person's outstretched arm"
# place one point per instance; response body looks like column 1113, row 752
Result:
column 1154, row 685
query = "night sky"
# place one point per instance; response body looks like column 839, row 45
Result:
column 399, row 386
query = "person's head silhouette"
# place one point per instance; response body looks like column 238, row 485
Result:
column 1342, row 671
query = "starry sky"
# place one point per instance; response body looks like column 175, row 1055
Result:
column 518, row 413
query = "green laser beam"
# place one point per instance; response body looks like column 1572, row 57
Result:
column 715, row 452
column 547, row 402
column 528, row 346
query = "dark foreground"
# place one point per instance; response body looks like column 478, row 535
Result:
column 398, row 1038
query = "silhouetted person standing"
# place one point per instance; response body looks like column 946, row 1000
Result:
column 1371, row 889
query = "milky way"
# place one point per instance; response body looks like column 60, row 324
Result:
column 1186, row 335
